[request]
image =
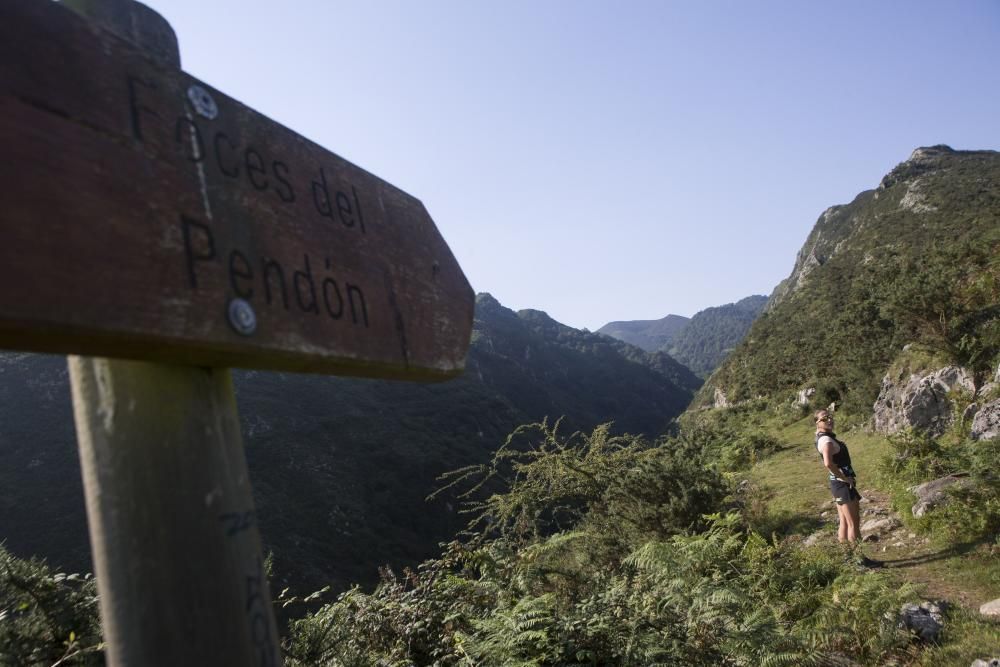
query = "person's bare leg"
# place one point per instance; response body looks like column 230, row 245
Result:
column 853, row 512
column 842, row 527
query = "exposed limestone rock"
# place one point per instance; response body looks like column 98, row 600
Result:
column 809, row 264
column 914, row 200
column 986, row 424
column 814, row 539
column 986, row 662
column 818, row 249
column 991, row 608
column 921, row 162
column 880, row 525
column 720, row 400
column 919, row 401
column 934, row 493
column 805, row 395
column 926, row 620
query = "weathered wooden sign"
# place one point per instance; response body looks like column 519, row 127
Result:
column 147, row 215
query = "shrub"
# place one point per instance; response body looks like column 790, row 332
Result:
column 45, row 617
column 915, row 457
column 633, row 574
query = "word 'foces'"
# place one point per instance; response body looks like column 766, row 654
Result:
column 244, row 162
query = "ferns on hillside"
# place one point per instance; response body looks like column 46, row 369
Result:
column 666, row 584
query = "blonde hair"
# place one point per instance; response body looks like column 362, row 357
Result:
column 821, row 415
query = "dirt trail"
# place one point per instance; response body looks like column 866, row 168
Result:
column 908, row 556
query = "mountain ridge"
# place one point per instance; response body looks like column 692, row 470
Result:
column 907, row 262
column 699, row 342
column 650, row 335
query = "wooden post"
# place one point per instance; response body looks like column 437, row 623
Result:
column 173, row 532
column 172, row 526
column 147, row 215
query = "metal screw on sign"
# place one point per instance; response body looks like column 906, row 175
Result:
column 203, row 103
column 241, row 317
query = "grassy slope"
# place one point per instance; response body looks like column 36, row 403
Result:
column 793, row 488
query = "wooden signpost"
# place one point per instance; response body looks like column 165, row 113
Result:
column 147, row 216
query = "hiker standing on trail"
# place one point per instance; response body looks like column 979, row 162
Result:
column 843, row 485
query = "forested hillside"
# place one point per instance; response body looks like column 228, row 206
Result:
column 650, row 335
column 713, row 333
column 341, row 467
column 912, row 261
column 701, row 342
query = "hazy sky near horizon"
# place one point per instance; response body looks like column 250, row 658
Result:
column 613, row 161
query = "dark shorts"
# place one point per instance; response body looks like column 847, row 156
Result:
column 842, row 492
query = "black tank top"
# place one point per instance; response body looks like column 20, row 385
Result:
column 842, row 459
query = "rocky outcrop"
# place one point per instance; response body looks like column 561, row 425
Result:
column 926, row 620
column 815, row 538
column 986, row 662
column 922, row 162
column 986, row 422
column 915, row 200
column 919, row 401
column 720, row 400
column 935, row 492
column 805, row 396
column 823, row 243
column 880, row 525
column 991, row 608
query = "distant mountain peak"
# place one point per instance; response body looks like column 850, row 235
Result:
column 650, row 335
column 923, row 161
column 930, row 152
column 485, row 299
column 699, row 342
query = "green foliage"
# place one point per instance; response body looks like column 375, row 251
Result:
column 592, row 553
column 713, row 333
column 736, row 438
column 950, row 302
column 914, row 457
column 973, row 511
column 621, row 486
column 875, row 275
column 47, row 618
column 411, row 620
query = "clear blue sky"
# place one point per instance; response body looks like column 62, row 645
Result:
column 613, row 160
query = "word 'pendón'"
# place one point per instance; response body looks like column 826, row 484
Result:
column 271, row 278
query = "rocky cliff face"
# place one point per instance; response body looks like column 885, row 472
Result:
column 827, row 237
column 919, row 400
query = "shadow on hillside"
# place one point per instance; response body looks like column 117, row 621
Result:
column 786, row 523
column 949, row 552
